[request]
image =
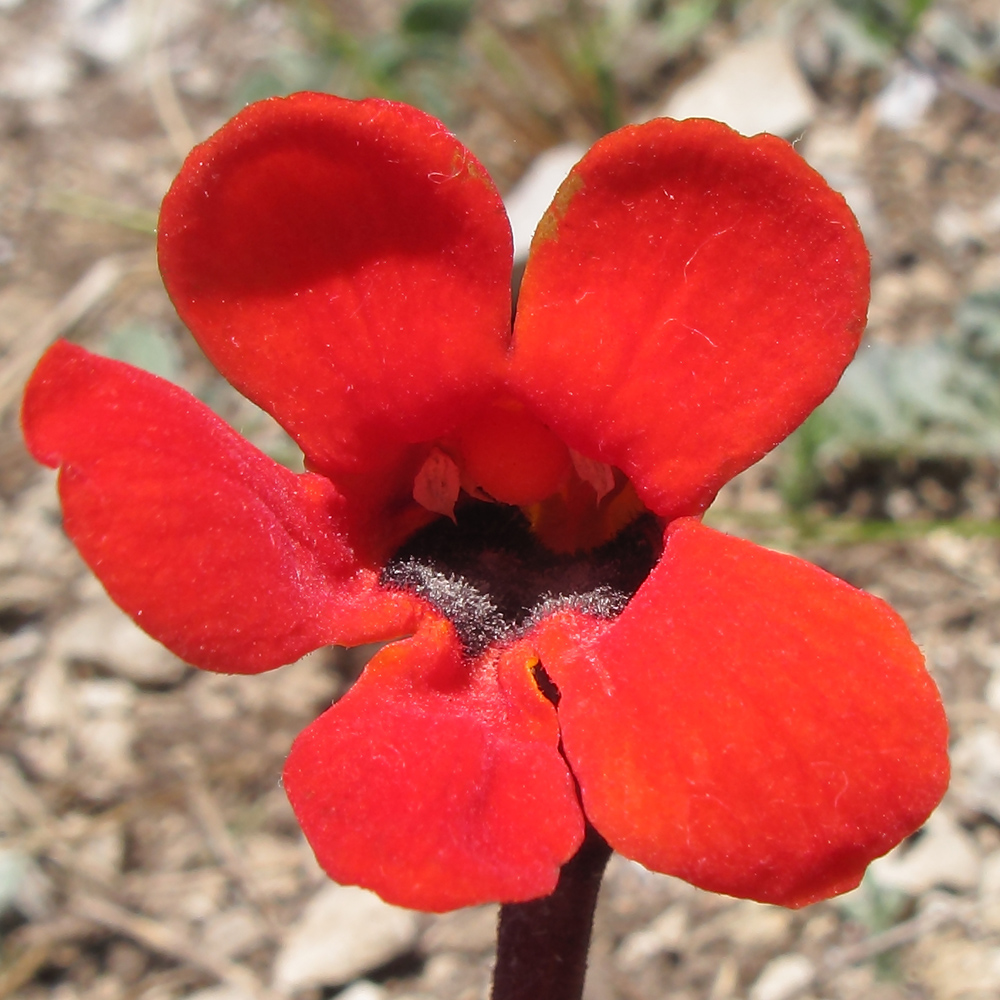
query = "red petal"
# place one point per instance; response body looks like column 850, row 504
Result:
column 226, row 557
column 346, row 265
column 750, row 723
column 436, row 782
column 690, row 297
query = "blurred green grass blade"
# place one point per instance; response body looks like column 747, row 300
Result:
column 85, row 206
column 436, row 17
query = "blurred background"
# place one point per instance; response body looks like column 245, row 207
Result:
column 146, row 848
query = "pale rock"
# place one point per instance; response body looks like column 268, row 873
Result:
column 952, row 550
column 276, row 864
column 222, row 992
column 363, row 989
column 105, row 30
column 985, row 276
column 22, row 645
column 100, row 633
column 836, row 150
column 100, row 853
column 896, row 291
column 783, row 978
column 986, row 652
column 989, row 892
column 303, row 688
column 757, row 926
column 197, row 894
column 46, row 754
column 727, row 980
column 944, row 855
column 957, row 969
column 992, row 692
column 957, row 228
column 905, row 100
column 990, row 215
column 233, row 932
column 469, row 930
column 666, row 933
column 529, row 199
column 989, row 878
column 113, row 31
column 343, row 933
column 819, row 928
column 443, row 974
column 976, row 771
column 756, row 86
column 37, row 73
column 13, row 865
column 307, row 685
column 102, row 735
column 24, row 886
column 46, row 701
column 12, row 677
column 29, row 593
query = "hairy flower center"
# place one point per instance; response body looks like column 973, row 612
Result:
column 492, row 576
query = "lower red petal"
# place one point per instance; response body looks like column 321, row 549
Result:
column 438, row 783
column 750, row 723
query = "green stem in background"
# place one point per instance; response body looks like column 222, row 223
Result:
column 542, row 945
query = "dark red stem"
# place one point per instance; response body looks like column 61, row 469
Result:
column 542, row 945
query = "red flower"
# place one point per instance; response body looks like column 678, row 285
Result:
column 747, row 722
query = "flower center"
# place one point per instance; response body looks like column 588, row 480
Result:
column 504, row 455
column 529, row 526
column 491, row 575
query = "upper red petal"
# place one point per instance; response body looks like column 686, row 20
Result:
column 346, row 265
column 750, row 723
column 232, row 561
column 690, row 297
column 436, row 782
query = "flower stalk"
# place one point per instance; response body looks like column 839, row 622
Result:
column 542, row 945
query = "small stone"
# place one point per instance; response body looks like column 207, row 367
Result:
column 666, row 933
column 758, row 926
column 46, row 700
column 976, row 762
column 989, row 891
column 783, row 977
column 100, row 853
column 956, row 228
column 222, row 992
column 343, row 933
column 193, row 895
column 100, row 633
column 943, row 855
column 102, row 735
column 363, row 989
column 276, row 864
column 38, row 72
column 906, row 98
column 471, row 930
column 22, row 645
column 24, row 886
column 960, row 970
column 234, row 932
column 727, row 980
column 756, row 86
